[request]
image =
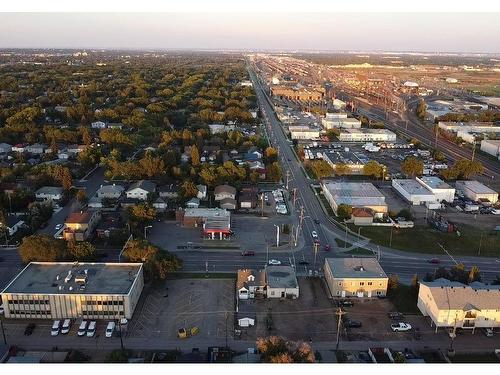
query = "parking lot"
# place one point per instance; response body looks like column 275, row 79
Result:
column 185, row 303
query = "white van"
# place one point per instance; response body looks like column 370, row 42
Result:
column 66, row 326
column 82, row 329
column 91, row 329
column 110, row 329
column 55, row 328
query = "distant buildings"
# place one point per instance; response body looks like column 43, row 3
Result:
column 366, row 135
column 452, row 304
column 298, row 93
column 355, row 277
column 303, row 132
column 74, row 290
column 491, row 147
column 412, row 191
column 354, row 194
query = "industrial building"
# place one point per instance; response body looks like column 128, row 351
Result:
column 355, row 277
column 476, row 191
column 491, row 146
column 355, row 161
column 441, row 190
column 340, row 120
column 298, row 93
column 74, row 290
column 303, row 132
column 413, row 192
column 366, row 135
column 451, row 304
column 354, row 194
column 471, row 127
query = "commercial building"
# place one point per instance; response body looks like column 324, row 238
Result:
column 413, row 192
column 354, row 161
column 366, row 135
column 196, row 217
column 441, row 190
column 281, row 282
column 476, row 191
column 491, row 147
column 355, row 277
column 74, row 290
column 298, row 93
column 470, row 127
column 303, row 132
column 452, row 304
column 217, row 227
column 354, row 194
column 340, row 120
column 80, row 225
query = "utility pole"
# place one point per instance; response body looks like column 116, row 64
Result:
column 480, row 242
column 294, row 196
column 345, row 238
column 301, row 217
column 339, row 314
column 226, row 328
column 277, row 235
column 315, row 253
column 390, row 239
column 287, row 178
column 473, row 150
column 262, row 204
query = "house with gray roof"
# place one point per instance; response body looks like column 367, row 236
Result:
column 141, row 189
column 54, row 193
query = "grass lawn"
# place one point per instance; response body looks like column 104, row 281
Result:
column 324, row 202
column 404, row 301
column 423, row 239
column 358, row 251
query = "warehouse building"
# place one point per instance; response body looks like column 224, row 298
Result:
column 355, row 277
column 366, row 135
column 492, row 147
column 303, row 132
column 354, row 194
column 441, row 190
column 340, row 120
column 412, row 191
column 476, row 191
column 74, row 290
column 298, row 93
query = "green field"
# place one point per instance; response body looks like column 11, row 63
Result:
column 423, row 239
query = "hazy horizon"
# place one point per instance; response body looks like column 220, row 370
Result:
column 335, row 32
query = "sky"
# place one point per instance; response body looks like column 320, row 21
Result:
column 423, row 32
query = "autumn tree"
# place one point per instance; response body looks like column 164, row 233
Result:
column 373, row 169
column 342, row 169
column 412, row 167
column 392, row 285
column 140, row 215
column 276, row 349
column 42, row 248
column 320, row 168
column 81, row 197
column 344, row 211
column 81, row 251
column 474, row 274
column 151, row 166
column 273, row 172
column 195, row 156
column 188, row 189
column 421, row 109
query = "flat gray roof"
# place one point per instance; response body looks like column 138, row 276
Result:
column 281, row 277
column 355, row 193
column 355, row 268
column 435, row 182
column 49, row 278
column 412, row 186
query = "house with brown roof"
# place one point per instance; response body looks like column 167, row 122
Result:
column 362, row 216
column 81, row 225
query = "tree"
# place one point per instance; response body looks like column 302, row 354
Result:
column 373, row 169
column 66, row 179
column 438, row 155
column 140, row 215
column 344, row 211
column 151, row 166
column 271, row 155
column 81, row 251
column 412, row 167
column 140, row 251
column 81, row 197
column 195, row 156
column 118, row 356
column 276, row 349
column 421, row 109
column 392, row 285
column 342, row 169
column 42, row 248
column 332, row 134
column 474, row 274
column 273, row 172
column 414, row 285
column 188, row 189
column 320, row 168
column 459, row 273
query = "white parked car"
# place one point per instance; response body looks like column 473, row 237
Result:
column 400, row 327
column 82, row 329
column 314, row 234
column 55, row 328
column 66, row 326
column 59, row 226
column 274, row 262
column 110, row 329
column 91, row 329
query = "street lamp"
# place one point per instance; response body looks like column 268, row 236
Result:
column 145, row 230
column 277, row 235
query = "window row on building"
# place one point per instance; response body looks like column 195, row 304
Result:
column 29, row 301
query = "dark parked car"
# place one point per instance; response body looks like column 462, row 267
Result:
column 248, row 253
column 434, row 261
column 352, row 324
column 344, row 303
column 316, row 221
column 29, row 329
column 395, row 315
column 304, row 262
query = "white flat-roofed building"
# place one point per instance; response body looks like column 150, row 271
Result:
column 354, row 194
column 470, row 127
column 453, row 304
column 281, row 282
column 366, row 135
column 475, row 190
column 74, row 290
column 441, row 190
column 340, row 120
column 413, row 192
column 491, row 146
column 303, row 132
column 355, row 277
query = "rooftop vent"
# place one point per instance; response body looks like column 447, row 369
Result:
column 70, row 288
